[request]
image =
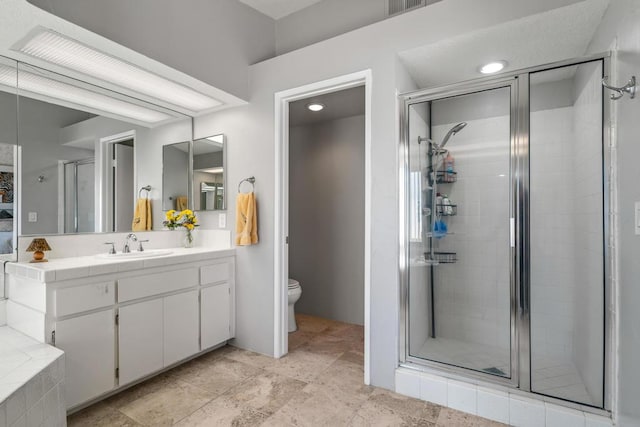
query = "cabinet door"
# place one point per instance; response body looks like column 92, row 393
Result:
column 215, row 315
column 140, row 345
column 89, row 350
column 180, row 326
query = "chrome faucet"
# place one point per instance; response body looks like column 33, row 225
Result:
column 131, row 237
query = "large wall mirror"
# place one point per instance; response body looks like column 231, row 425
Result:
column 86, row 154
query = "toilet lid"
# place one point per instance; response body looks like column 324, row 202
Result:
column 293, row 284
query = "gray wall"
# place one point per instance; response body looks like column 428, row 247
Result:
column 208, row 160
column 620, row 29
column 215, row 44
column 252, row 151
column 39, row 132
column 326, row 218
column 325, row 19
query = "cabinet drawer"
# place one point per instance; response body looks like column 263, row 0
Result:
column 155, row 284
column 215, row 273
column 83, row 298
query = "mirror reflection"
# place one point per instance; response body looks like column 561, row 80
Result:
column 175, row 176
column 85, row 154
column 8, row 157
column 209, row 173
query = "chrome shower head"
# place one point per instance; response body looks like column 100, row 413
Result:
column 457, row 128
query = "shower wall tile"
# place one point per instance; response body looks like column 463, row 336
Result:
column 525, row 412
column 563, row 417
column 433, row 389
column 592, row 420
column 493, row 404
column 407, row 384
column 462, row 396
column 499, row 403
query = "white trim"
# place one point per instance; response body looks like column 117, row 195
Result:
column 61, row 191
column 281, row 110
column 103, row 184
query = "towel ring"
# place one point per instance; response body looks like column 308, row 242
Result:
column 146, row 188
column 251, row 180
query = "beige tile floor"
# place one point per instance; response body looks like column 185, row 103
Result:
column 319, row 383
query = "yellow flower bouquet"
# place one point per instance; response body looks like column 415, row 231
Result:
column 186, row 219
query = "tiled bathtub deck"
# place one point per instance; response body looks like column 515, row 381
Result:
column 319, row 383
column 31, row 381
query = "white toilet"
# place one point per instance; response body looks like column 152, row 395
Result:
column 294, row 295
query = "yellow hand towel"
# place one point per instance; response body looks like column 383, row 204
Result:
column 246, row 220
column 181, row 203
column 142, row 216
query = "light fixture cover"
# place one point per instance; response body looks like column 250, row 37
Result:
column 37, row 84
column 60, row 50
column 492, row 67
column 315, row 106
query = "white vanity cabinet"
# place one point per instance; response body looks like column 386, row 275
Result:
column 127, row 320
column 88, row 342
column 140, row 343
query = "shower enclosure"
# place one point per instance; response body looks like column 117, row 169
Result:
column 504, row 267
column 79, row 196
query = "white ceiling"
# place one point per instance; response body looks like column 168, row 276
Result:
column 337, row 105
column 279, row 8
column 539, row 39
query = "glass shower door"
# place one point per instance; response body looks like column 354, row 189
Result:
column 567, row 234
column 460, row 306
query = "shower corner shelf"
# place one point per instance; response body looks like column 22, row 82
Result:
column 441, row 257
column 444, row 177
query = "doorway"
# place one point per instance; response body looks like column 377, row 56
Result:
column 115, row 166
column 122, row 198
column 284, row 102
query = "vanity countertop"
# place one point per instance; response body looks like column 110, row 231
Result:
column 78, row 267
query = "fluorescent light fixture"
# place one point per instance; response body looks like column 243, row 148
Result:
column 315, row 106
column 493, row 67
column 218, row 138
column 65, row 52
column 212, row 170
column 80, row 97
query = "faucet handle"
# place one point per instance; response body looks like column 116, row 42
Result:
column 112, row 251
column 140, row 248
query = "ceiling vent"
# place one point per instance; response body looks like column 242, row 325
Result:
column 396, row 7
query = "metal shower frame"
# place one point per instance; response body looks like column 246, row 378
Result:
column 520, row 375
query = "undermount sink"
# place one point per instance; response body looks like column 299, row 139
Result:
column 137, row 254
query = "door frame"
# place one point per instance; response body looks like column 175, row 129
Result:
column 281, row 214
column 104, row 185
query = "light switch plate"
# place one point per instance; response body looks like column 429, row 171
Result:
column 33, row 216
column 637, row 223
column 222, row 220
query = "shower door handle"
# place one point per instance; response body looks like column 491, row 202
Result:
column 512, row 232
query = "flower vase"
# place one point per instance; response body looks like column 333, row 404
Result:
column 188, row 239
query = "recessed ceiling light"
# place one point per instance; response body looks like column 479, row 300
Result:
column 315, row 106
column 493, row 67
column 65, row 52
